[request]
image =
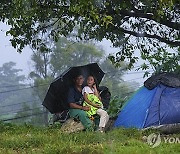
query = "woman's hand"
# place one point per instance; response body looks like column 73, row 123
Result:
column 94, row 86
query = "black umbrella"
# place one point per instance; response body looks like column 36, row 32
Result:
column 56, row 98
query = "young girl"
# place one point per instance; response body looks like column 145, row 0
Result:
column 92, row 99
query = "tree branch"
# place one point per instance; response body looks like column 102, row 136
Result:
column 49, row 25
column 149, row 15
column 174, row 43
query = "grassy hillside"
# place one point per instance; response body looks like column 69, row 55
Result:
column 28, row 139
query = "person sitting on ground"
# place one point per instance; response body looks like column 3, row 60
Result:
column 92, row 99
column 75, row 100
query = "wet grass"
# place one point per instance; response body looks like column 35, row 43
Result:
column 29, row 139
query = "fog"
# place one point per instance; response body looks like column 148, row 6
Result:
column 23, row 60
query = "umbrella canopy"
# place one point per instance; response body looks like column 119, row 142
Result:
column 56, row 98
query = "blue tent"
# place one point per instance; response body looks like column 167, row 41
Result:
column 146, row 108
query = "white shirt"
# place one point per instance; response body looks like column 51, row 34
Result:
column 87, row 90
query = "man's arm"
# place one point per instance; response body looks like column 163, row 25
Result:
column 72, row 103
column 76, row 106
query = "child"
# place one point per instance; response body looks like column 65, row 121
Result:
column 92, row 99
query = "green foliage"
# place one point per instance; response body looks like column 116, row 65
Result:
column 162, row 61
column 128, row 24
column 68, row 53
column 113, row 79
column 115, row 106
column 28, row 139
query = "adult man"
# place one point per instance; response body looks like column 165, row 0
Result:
column 75, row 100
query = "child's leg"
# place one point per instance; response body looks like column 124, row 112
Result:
column 104, row 117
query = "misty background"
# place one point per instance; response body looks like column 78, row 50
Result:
column 21, row 97
column 23, row 60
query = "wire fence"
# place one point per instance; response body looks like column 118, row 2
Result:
column 7, row 91
column 39, row 108
column 20, row 111
column 30, row 101
column 25, row 116
column 36, row 100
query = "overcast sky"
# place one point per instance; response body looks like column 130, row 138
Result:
column 8, row 53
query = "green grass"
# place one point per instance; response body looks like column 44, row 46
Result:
column 28, row 139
